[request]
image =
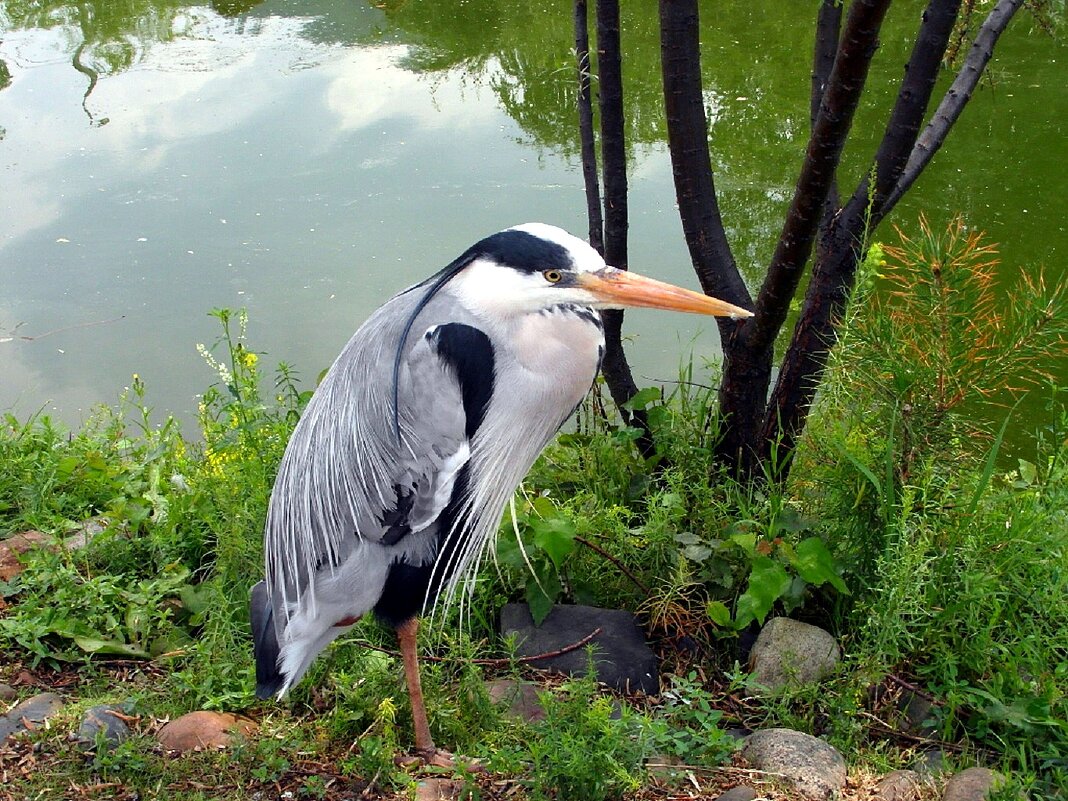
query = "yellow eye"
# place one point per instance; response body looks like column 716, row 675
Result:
column 552, row 276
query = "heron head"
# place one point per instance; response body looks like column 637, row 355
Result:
column 537, row 266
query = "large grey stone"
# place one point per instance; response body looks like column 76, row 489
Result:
column 622, row 658
column 973, row 784
column 104, row 721
column 29, row 714
column 811, row 767
column 789, row 652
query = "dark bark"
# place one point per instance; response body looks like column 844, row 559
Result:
column 828, row 26
column 833, row 277
column 828, row 29
column 614, row 366
column 909, row 110
column 691, row 164
column 613, row 143
column 586, row 138
column 840, row 99
column 958, row 95
column 746, row 374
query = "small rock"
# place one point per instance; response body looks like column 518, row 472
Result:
column 917, row 712
column 898, row 785
column 102, row 721
column 86, row 533
column 789, row 652
column 7, row 692
column 813, row 768
column 622, row 657
column 739, row 793
column 438, row 790
column 973, row 784
column 930, row 763
column 521, row 698
column 16, row 545
column 28, row 715
column 202, row 730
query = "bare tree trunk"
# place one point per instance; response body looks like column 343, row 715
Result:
column 586, row 138
column 746, row 374
column 614, row 365
column 833, row 276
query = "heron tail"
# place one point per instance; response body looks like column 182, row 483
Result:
column 269, row 679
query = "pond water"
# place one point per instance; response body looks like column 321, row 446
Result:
column 304, row 160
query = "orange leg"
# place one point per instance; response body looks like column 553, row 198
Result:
column 406, row 634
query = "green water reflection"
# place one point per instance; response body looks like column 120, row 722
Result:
column 306, row 158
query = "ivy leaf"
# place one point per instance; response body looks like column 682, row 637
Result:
column 814, row 563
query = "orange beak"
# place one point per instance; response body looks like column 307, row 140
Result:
column 618, row 288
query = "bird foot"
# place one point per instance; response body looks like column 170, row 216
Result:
column 439, row 758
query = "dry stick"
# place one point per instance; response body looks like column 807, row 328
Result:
column 61, row 330
column 622, row 568
column 496, row 662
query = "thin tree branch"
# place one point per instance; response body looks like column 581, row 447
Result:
column 614, row 365
column 613, row 141
column 905, row 120
column 586, row 138
column 856, row 49
column 956, row 98
column 522, row 660
column 828, row 31
column 622, row 567
column 833, row 277
column 828, row 26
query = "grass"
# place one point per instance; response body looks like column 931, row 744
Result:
column 902, row 530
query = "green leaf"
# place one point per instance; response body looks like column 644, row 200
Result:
column 94, row 645
column 814, row 563
column 767, row 582
column 745, row 540
column 540, row 604
column 718, row 613
column 642, row 398
column 1028, row 472
column 556, row 537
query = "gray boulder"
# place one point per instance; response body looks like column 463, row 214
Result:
column 622, row 658
column 789, row 652
column 813, row 769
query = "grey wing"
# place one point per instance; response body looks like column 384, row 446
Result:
column 346, row 478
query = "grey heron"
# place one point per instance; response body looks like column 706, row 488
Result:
column 396, row 476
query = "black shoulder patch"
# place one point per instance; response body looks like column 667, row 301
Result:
column 395, row 520
column 524, row 252
column 469, row 353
